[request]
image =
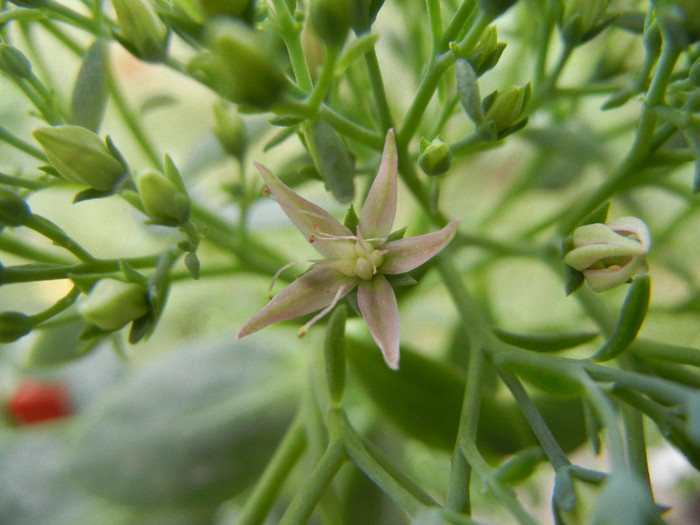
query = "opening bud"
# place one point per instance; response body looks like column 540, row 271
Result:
column 162, row 200
column 435, row 157
column 487, row 52
column 80, row 156
column 13, row 62
column 113, row 303
column 609, row 254
column 142, row 32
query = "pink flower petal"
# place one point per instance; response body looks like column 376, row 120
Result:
column 306, row 216
column 381, row 313
column 404, row 255
column 312, row 291
column 379, row 210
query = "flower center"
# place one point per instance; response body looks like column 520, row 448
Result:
column 368, row 260
column 357, row 258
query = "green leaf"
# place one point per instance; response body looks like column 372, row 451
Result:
column 548, row 379
column 355, row 50
column 91, row 91
column 545, row 342
column 468, row 90
column 195, row 427
column 564, row 497
column 332, row 160
column 634, row 311
column 192, row 264
column 521, row 466
column 599, row 215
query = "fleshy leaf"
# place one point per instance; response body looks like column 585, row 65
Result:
column 406, row 254
column 311, row 292
column 379, row 210
column 381, row 313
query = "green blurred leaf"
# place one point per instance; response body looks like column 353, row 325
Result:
column 58, row 344
column 634, row 311
column 332, row 160
column 545, row 342
column 193, row 428
column 91, row 91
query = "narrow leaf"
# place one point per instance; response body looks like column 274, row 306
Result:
column 468, row 90
column 91, row 91
column 333, row 160
column 545, row 342
column 634, row 311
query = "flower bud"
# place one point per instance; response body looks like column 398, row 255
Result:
column 435, row 157
column 13, row 62
column 80, row 156
column 229, row 130
column 581, row 19
column 35, row 402
column 13, row 209
column 242, row 66
column 487, row 51
column 495, row 8
column 237, row 8
column 162, row 200
column 609, row 254
column 331, row 20
column 681, row 20
column 505, row 109
column 364, row 14
column 144, row 34
column 14, row 325
column 113, row 303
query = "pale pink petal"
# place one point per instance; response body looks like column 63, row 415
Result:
column 306, row 216
column 378, row 211
column 380, row 311
column 632, row 226
column 312, row 291
column 404, row 255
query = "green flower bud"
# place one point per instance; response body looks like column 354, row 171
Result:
column 581, row 20
column 364, row 12
column 112, row 304
column 162, row 200
column 238, row 8
column 609, row 254
column 435, row 157
column 13, row 209
column 144, row 34
column 80, row 156
column 331, row 20
column 487, row 52
column 242, row 66
column 495, row 8
column 13, row 62
column 229, row 130
column 14, row 325
column 505, row 109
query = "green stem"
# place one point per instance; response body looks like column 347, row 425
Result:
column 289, row 30
column 58, row 307
column 18, row 143
column 666, row 352
column 306, row 499
column 636, row 445
column 10, row 244
column 380, row 98
column 325, row 81
column 278, row 468
column 52, row 232
column 504, row 494
column 435, row 21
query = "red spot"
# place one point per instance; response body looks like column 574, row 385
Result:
column 266, row 191
column 34, row 402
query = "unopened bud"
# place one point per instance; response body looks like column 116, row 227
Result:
column 487, row 52
column 80, row 156
column 113, row 303
column 13, row 62
column 162, row 200
column 14, row 325
column 435, row 157
column 364, row 14
column 237, row 8
column 609, row 254
column 505, row 109
column 229, row 130
column 581, row 20
column 14, row 211
column 495, row 8
column 242, row 66
column 144, row 34
column 331, row 20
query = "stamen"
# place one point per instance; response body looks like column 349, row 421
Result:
column 338, row 296
column 279, row 272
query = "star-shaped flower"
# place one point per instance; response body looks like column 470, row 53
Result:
column 360, row 259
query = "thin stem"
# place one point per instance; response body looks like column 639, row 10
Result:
column 636, row 445
column 21, row 145
column 58, row 307
column 306, row 499
column 278, row 468
column 380, row 98
column 290, row 32
column 325, row 81
column 49, row 230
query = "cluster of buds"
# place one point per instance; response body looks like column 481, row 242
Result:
column 609, row 254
